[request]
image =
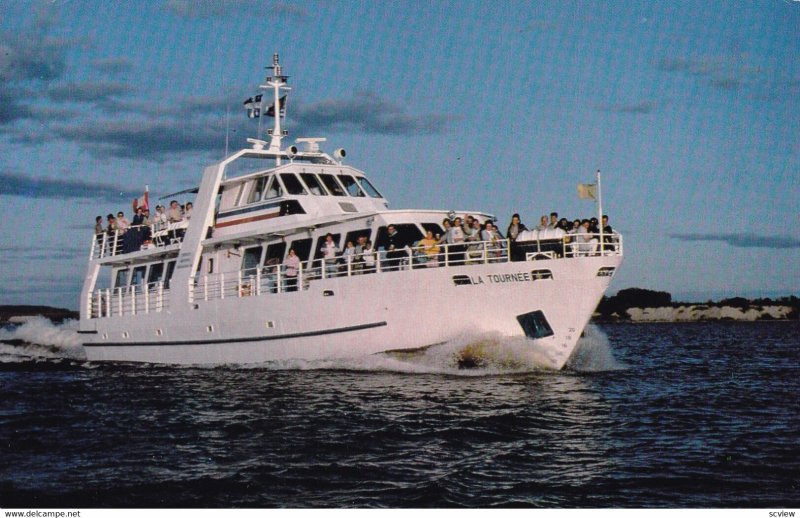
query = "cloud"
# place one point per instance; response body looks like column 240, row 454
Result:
column 88, row 92
column 28, row 54
column 149, row 140
column 727, row 83
column 723, row 73
column 12, row 184
column 637, row 108
column 111, row 66
column 14, row 254
column 744, row 240
column 368, row 113
column 196, row 9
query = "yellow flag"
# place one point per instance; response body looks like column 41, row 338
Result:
column 587, row 191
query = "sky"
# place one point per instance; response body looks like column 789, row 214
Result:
column 690, row 110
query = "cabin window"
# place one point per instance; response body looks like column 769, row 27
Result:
column 210, row 265
column 275, row 252
column 350, row 185
column 292, row 183
column 437, row 229
column 138, row 275
column 168, row 276
column 372, row 191
column 313, row 184
column 274, row 190
column 355, row 234
column 156, row 272
column 407, row 235
column 332, row 184
column 321, row 243
column 257, row 190
column 121, row 278
column 239, row 193
column 302, row 247
column 250, row 260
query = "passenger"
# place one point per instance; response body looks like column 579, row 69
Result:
column 174, row 214
column 147, row 244
column 122, row 222
column 456, row 248
column 394, row 250
column 473, row 238
column 369, row 257
column 564, row 225
column 138, row 218
column 467, row 226
column 271, row 274
column 98, row 225
column 187, row 213
column 291, row 268
column 446, row 226
column 587, row 243
column 553, row 220
column 329, row 252
column 609, row 239
column 542, row 223
column 495, row 242
column 430, row 250
column 593, row 226
column 515, row 228
column 112, row 224
column 160, row 219
column 358, row 260
column 349, row 257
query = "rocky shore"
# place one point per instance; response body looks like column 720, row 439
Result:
column 700, row 313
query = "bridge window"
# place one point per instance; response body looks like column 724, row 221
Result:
column 433, row 227
column 138, row 275
column 292, row 183
column 302, row 247
column 275, row 252
column 355, row 234
column 274, row 190
column 350, row 185
column 313, row 184
column 257, row 190
column 332, row 184
column 372, row 191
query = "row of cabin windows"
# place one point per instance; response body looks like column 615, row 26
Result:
column 322, row 184
column 407, row 234
column 153, row 273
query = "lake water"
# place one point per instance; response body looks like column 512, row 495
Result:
column 650, row 415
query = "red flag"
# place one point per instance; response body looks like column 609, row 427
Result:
column 142, row 202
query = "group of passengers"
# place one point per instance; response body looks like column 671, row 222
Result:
column 581, row 235
column 137, row 234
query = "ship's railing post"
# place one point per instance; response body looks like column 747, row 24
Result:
column 108, row 302
column 160, row 297
column 133, row 300
column 222, row 285
column 205, row 288
column 279, row 278
column 239, row 284
column 258, row 282
column 300, row 277
column 146, row 299
column 446, row 255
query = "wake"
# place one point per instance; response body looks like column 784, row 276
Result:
column 41, row 339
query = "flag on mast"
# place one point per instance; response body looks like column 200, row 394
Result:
column 271, row 109
column 253, row 106
column 142, row 202
column 587, row 191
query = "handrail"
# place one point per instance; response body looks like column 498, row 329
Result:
column 135, row 238
column 277, row 279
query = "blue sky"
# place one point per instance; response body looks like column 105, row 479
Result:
column 689, row 109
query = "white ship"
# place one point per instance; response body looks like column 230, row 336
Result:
column 218, row 288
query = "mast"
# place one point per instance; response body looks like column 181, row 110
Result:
column 277, row 82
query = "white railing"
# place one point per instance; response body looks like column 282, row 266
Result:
column 129, row 300
column 135, row 238
column 571, row 245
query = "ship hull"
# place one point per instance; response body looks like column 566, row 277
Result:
column 358, row 315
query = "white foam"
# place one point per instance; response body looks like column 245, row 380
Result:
column 593, row 353
column 42, row 339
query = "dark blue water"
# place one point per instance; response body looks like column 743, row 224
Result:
column 649, row 415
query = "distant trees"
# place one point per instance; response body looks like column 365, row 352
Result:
column 633, row 298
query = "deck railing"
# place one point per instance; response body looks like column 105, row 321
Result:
column 135, row 238
column 276, row 279
column 128, row 300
